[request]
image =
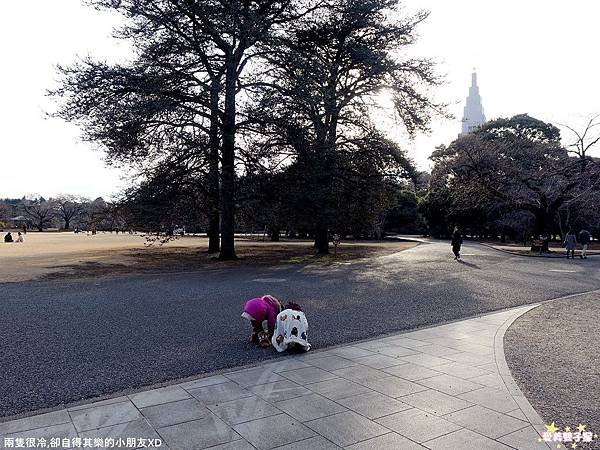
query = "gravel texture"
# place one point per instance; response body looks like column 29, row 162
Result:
column 553, row 352
column 63, row 341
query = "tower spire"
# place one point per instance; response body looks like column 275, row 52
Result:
column 473, row 113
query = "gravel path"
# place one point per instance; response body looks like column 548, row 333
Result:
column 553, row 352
column 65, row 341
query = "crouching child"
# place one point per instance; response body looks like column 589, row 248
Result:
column 262, row 314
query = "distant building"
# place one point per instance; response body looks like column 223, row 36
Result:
column 473, row 115
column 17, row 222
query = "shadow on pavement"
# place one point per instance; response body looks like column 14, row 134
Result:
column 468, row 264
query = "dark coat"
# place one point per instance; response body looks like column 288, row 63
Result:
column 584, row 237
column 457, row 239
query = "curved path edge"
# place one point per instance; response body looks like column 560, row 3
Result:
column 555, row 255
column 509, row 252
column 511, row 385
column 525, row 406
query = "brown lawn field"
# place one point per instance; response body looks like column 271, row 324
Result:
column 52, row 255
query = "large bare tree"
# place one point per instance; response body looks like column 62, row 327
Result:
column 201, row 49
column 69, row 207
column 324, row 77
column 39, row 212
column 584, row 139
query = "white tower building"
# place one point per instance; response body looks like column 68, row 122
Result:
column 473, row 114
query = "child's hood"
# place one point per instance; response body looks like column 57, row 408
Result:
column 272, row 302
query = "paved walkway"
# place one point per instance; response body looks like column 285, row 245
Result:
column 446, row 387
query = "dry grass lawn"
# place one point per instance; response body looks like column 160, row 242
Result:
column 68, row 255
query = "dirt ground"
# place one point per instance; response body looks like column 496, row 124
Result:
column 552, row 352
column 67, row 255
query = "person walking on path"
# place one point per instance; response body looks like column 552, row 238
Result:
column 457, row 241
column 570, row 244
column 584, row 239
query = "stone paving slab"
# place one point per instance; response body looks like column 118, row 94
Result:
column 176, row 412
column 445, row 387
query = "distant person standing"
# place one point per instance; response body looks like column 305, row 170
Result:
column 8, row 237
column 457, row 241
column 570, row 244
column 24, row 229
column 584, row 239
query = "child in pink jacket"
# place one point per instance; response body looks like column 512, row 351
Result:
column 262, row 313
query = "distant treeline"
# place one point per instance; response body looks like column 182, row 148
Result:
column 65, row 212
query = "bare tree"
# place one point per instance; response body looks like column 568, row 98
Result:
column 98, row 215
column 4, row 215
column 69, row 207
column 586, row 139
column 323, row 77
column 200, row 49
column 4, row 211
column 39, row 212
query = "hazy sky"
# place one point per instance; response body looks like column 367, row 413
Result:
column 533, row 56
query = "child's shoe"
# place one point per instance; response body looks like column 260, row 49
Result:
column 263, row 340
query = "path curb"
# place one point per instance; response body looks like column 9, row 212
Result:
column 524, row 405
column 540, row 255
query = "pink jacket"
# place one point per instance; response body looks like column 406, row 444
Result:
column 264, row 308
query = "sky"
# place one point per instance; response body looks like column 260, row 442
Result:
column 534, row 56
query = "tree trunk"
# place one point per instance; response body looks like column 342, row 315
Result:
column 274, row 234
column 327, row 146
column 540, row 224
column 228, row 166
column 541, row 229
column 67, row 223
column 214, row 244
column 322, row 237
column 214, row 216
column 322, row 167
